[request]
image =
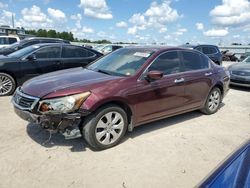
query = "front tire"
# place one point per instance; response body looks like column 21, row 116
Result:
column 213, row 102
column 105, row 128
column 7, row 84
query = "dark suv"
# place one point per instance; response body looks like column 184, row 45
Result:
column 211, row 51
column 28, row 42
column 124, row 89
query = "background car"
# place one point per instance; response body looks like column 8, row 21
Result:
column 234, row 172
column 38, row 59
column 27, row 42
column 122, row 90
column 8, row 40
column 240, row 73
column 211, row 51
column 106, row 49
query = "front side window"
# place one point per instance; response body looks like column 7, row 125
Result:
column 76, row 52
column 123, row 62
column 48, row 52
column 168, row 63
column 194, row 61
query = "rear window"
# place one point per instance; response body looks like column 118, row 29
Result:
column 209, row 50
column 3, row 41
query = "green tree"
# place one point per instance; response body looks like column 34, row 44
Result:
column 52, row 34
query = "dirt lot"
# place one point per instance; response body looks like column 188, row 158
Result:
column 175, row 152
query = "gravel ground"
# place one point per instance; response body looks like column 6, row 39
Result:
column 175, row 152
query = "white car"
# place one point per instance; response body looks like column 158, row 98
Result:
column 8, row 40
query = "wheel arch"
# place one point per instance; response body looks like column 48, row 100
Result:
column 122, row 104
column 9, row 73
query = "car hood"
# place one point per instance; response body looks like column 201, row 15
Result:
column 6, row 50
column 66, row 82
column 6, row 59
column 240, row 67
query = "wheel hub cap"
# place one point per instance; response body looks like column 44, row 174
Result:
column 109, row 128
column 214, row 101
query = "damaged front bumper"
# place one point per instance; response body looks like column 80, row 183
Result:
column 64, row 123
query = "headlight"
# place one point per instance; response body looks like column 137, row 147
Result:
column 63, row 104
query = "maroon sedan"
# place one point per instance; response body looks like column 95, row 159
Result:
column 120, row 91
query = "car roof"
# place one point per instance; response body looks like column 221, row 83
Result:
column 156, row 48
column 44, row 38
column 195, row 46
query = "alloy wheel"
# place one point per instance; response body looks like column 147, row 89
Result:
column 6, row 85
column 214, row 100
column 109, row 128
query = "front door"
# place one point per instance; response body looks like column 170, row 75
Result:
column 161, row 97
column 47, row 59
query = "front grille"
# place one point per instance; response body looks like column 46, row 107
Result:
column 23, row 101
column 241, row 73
column 240, row 81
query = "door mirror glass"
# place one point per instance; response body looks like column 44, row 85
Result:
column 31, row 57
column 154, row 75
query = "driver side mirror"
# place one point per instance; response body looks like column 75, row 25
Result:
column 31, row 57
column 154, row 75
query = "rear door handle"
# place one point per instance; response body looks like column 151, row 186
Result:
column 208, row 73
column 177, row 81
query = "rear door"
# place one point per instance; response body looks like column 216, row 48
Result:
column 74, row 56
column 198, row 78
column 163, row 97
column 47, row 60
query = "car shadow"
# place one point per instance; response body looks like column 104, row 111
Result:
column 163, row 123
column 239, row 88
column 42, row 136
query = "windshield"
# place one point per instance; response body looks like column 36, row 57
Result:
column 123, row 62
column 23, row 52
column 247, row 60
column 99, row 47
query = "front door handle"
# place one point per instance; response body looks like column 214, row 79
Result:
column 208, row 73
column 177, row 81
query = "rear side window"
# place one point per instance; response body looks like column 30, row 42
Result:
column 194, row 61
column 48, row 52
column 209, row 50
column 12, row 40
column 168, row 63
column 76, row 52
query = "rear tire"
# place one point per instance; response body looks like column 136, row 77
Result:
column 7, row 84
column 213, row 102
column 105, row 128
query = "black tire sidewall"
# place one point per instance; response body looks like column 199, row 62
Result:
column 91, row 123
column 12, row 81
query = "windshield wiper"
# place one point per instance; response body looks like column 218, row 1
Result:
column 103, row 71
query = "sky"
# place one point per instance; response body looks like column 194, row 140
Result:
column 172, row 22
